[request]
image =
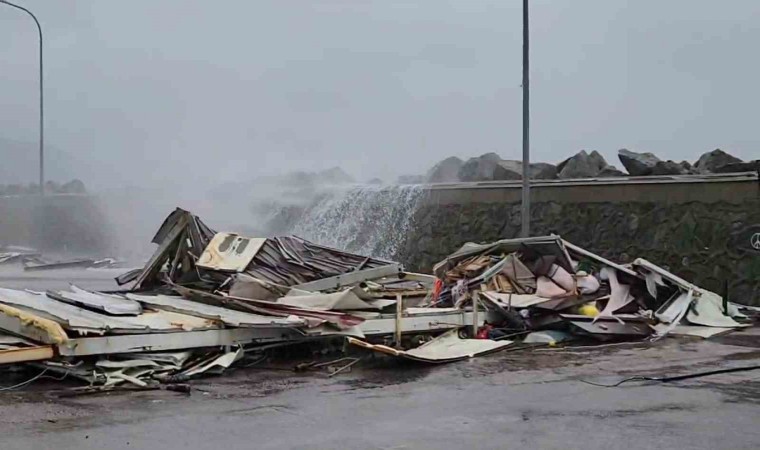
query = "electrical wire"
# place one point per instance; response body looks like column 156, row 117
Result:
column 675, row 377
column 32, row 380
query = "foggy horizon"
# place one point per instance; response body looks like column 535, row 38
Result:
column 149, row 94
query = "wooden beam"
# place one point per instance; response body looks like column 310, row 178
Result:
column 26, row 354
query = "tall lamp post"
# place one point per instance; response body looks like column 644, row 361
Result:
column 525, row 210
column 42, row 128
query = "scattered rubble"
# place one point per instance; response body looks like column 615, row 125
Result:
column 548, row 285
column 207, row 300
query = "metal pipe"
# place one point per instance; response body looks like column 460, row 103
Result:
column 525, row 210
column 42, row 111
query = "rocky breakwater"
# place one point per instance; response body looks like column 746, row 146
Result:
column 584, row 164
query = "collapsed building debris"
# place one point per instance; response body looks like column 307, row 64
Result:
column 212, row 297
column 32, row 260
column 550, row 285
column 206, row 300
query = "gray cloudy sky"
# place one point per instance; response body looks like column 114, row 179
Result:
column 143, row 91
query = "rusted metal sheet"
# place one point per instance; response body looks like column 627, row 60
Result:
column 351, row 278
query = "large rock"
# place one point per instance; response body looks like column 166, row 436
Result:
column 597, row 160
column 669, row 167
column 611, row 171
column 543, row 171
column 638, row 164
column 480, row 168
column 512, row 170
column 749, row 166
column 445, row 171
column 508, row 170
column 581, row 165
column 711, row 162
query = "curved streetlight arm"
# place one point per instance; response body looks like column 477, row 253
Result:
column 42, row 128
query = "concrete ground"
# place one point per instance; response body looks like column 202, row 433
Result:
column 524, row 399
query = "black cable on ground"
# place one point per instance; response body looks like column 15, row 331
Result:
column 676, row 377
column 33, row 379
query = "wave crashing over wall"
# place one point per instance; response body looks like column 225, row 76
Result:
column 369, row 220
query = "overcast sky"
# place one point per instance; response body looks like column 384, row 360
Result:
column 146, row 91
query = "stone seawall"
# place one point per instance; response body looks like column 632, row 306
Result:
column 700, row 228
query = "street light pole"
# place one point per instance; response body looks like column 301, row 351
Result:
column 525, row 210
column 42, row 111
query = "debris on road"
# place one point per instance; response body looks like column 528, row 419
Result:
column 548, row 284
column 205, row 301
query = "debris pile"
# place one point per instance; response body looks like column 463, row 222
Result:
column 206, row 300
column 548, row 284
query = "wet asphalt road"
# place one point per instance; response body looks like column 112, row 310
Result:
column 508, row 400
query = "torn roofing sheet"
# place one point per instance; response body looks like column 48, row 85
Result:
column 78, row 319
column 314, row 317
column 291, row 260
column 216, row 364
column 336, row 301
column 7, row 340
column 27, row 324
column 620, row 294
column 227, row 316
column 181, row 239
column 339, row 319
column 632, row 326
column 674, row 309
column 245, row 286
column 110, row 304
column 447, row 347
column 513, row 300
column 229, row 252
column 551, row 245
column 707, row 310
column 572, row 248
column 641, row 263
